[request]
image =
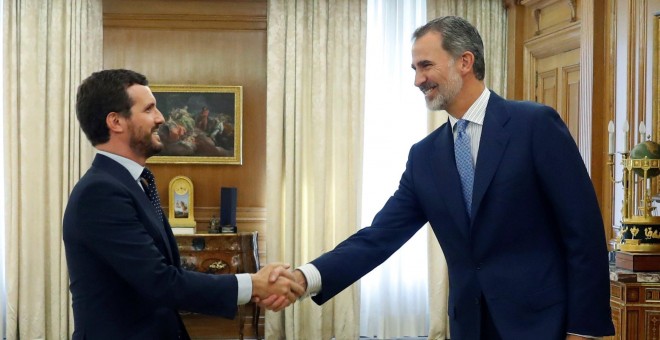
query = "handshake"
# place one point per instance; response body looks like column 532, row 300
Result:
column 275, row 287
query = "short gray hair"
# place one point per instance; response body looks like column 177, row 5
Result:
column 458, row 36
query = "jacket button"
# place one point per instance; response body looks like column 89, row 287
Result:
column 476, row 301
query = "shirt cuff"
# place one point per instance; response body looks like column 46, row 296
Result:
column 244, row 288
column 313, row 277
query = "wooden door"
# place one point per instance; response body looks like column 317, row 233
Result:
column 558, row 86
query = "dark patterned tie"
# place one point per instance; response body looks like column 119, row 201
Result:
column 151, row 191
column 464, row 162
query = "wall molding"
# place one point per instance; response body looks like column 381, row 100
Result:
column 543, row 46
column 244, row 215
column 185, row 22
column 586, row 81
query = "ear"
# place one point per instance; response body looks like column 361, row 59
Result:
column 466, row 62
column 115, row 122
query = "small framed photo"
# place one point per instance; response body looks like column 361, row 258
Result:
column 181, row 202
column 203, row 124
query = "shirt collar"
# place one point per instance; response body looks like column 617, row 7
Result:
column 476, row 112
column 133, row 168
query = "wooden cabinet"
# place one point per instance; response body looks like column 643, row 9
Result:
column 220, row 254
column 635, row 302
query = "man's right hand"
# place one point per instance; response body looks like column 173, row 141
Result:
column 274, row 301
column 276, row 285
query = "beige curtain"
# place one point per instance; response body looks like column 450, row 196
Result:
column 315, row 100
column 49, row 46
column 489, row 17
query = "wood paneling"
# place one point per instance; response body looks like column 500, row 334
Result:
column 179, row 7
column 571, row 95
column 185, row 21
column 514, row 57
column 602, row 106
column 635, row 308
column 547, row 16
column 206, row 43
column 543, row 28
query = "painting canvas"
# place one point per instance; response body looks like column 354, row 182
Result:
column 202, row 124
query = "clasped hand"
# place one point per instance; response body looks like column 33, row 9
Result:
column 276, row 285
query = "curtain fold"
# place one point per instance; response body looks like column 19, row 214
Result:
column 315, row 96
column 49, row 47
column 489, row 17
column 393, row 296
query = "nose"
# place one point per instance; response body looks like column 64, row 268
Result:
column 159, row 118
column 419, row 78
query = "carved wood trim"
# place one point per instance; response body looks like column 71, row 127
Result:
column 632, row 59
column 566, row 70
column 539, row 3
column 573, row 6
column 652, row 324
column 541, row 89
column 631, row 324
column 185, row 21
column 537, row 19
column 515, row 42
column 543, row 46
column 642, row 62
column 585, row 139
column 566, row 39
column 655, row 84
column 606, row 104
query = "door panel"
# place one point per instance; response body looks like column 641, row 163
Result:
column 558, row 86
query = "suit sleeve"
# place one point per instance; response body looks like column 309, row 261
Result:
column 571, row 195
column 396, row 223
column 108, row 222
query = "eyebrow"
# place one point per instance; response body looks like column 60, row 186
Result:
column 420, row 63
column 150, row 106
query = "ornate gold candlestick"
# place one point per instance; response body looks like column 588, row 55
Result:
column 640, row 229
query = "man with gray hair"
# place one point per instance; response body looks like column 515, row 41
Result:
column 508, row 196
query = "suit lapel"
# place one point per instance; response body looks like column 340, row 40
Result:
column 446, row 176
column 154, row 226
column 494, row 138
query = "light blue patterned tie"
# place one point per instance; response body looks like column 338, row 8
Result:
column 464, row 162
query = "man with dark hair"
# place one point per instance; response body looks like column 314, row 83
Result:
column 507, row 194
column 124, row 266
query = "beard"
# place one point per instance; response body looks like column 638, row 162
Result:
column 446, row 92
column 142, row 143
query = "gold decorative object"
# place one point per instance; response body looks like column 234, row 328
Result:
column 181, row 204
column 640, row 224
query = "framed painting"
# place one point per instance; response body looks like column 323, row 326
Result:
column 203, row 124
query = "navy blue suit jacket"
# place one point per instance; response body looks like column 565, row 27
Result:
column 534, row 248
column 124, row 266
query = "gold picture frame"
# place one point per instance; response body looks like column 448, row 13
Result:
column 203, row 124
column 181, row 203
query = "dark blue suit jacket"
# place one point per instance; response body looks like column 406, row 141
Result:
column 124, row 266
column 534, row 248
